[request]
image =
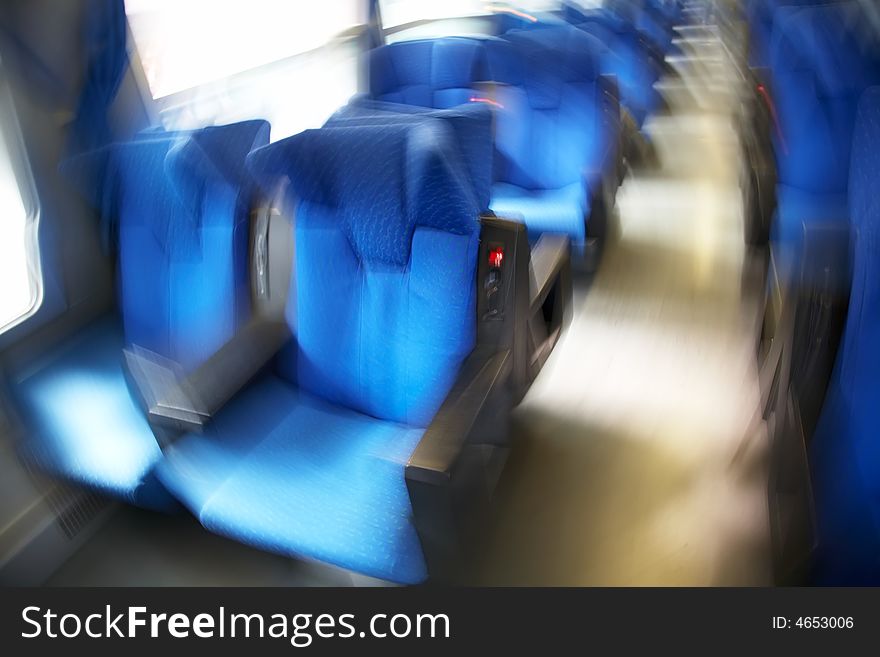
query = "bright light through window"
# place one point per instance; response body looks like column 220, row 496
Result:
column 19, row 261
column 401, row 12
column 589, row 4
column 404, row 12
column 186, row 43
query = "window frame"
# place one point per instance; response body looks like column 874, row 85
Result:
column 166, row 110
column 27, row 188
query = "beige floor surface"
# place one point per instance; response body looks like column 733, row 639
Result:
column 624, row 469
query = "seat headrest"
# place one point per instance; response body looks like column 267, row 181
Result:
column 545, row 61
column 442, row 63
column 213, row 154
column 181, row 163
column 826, row 40
column 380, row 180
column 224, row 149
column 471, row 125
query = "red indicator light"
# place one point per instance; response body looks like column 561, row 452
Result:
column 762, row 90
column 496, row 256
column 488, row 101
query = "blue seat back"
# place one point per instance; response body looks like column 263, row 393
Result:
column 761, row 18
column 386, row 242
column 437, row 73
column 846, row 450
column 182, row 202
column 471, row 125
column 549, row 130
column 821, row 65
column 628, row 59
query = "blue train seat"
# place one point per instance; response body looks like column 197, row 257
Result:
column 629, row 59
column 471, row 126
column 821, row 65
column 657, row 23
column 177, row 207
column 761, row 18
column 183, row 247
column 648, row 19
column 845, row 450
column 81, row 424
column 768, row 21
column 554, row 137
column 311, row 459
column 557, row 129
column 437, row 73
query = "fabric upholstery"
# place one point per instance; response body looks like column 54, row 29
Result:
column 550, row 130
column 179, row 202
column 436, row 73
column 845, row 450
column 552, row 211
column 555, row 124
column 290, row 473
column 820, row 68
column 628, row 59
column 309, row 461
column 471, row 125
column 761, row 17
column 82, row 424
column 388, row 261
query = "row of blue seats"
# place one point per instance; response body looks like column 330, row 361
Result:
column 820, row 62
column 817, row 65
column 844, row 450
column 308, row 458
column 559, row 85
column 311, row 456
column 556, row 127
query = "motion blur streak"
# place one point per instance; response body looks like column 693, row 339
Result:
column 626, row 473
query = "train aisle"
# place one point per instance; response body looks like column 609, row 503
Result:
column 626, row 470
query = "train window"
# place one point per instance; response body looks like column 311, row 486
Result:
column 588, row 4
column 21, row 286
column 217, row 61
column 402, row 12
column 403, row 20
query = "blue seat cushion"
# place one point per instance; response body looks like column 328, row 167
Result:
column 82, row 423
column 544, row 210
column 287, row 472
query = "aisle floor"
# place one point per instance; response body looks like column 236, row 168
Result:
column 626, row 468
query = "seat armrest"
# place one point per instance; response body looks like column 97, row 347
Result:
column 550, row 258
column 597, row 178
column 482, row 376
column 550, row 298
column 176, row 402
column 450, row 474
